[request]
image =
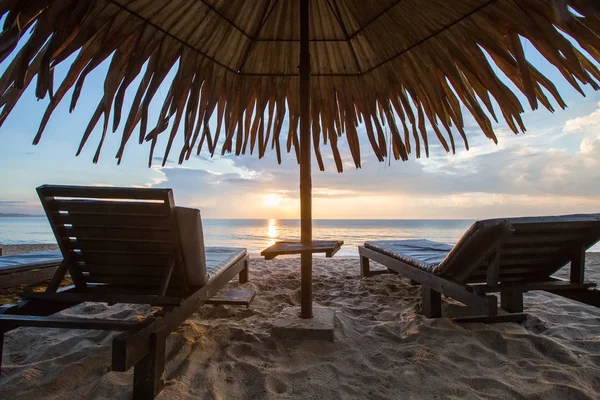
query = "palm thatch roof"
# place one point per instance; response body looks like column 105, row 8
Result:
column 398, row 63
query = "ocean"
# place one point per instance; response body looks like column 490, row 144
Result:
column 257, row 234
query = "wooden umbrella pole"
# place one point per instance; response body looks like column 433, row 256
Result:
column 305, row 178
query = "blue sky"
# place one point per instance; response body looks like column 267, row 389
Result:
column 552, row 169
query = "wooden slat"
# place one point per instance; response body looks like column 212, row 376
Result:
column 563, row 246
column 506, row 277
column 545, row 239
column 112, row 298
column 509, row 250
column 553, row 285
column 124, row 280
column 524, row 270
column 131, row 270
column 15, row 321
column 146, row 247
column 329, row 247
column 510, row 277
column 123, row 259
column 111, row 221
column 110, row 207
column 529, row 255
column 526, row 261
column 561, row 226
column 520, row 278
column 546, row 266
column 233, row 297
column 527, row 269
column 115, row 233
column 101, row 288
column 517, row 269
column 104, row 192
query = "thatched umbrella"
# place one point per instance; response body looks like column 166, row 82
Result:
column 371, row 62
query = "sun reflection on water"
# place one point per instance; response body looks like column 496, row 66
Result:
column 272, row 231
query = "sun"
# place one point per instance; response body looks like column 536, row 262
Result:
column 272, row 200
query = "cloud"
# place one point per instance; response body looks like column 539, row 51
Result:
column 328, row 193
column 217, row 194
column 525, row 174
column 529, row 164
column 580, row 123
column 543, row 171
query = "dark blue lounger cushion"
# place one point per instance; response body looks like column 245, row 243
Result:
column 23, row 262
column 421, row 253
column 218, row 259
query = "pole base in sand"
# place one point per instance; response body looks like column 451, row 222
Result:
column 320, row 327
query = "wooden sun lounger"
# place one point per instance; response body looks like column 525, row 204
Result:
column 121, row 245
column 505, row 256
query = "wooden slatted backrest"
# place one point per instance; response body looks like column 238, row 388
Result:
column 539, row 247
column 124, row 237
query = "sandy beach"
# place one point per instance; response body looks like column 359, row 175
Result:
column 383, row 349
column 11, row 249
column 295, row 127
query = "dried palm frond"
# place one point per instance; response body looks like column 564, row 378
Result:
column 395, row 63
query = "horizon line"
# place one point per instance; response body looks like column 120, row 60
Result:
column 19, row 215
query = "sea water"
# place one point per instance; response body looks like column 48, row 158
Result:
column 257, row 234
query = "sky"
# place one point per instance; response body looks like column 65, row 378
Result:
column 552, row 169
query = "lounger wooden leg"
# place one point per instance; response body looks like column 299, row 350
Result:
column 364, row 267
column 1, row 348
column 578, row 265
column 245, row 272
column 431, row 303
column 147, row 373
column 512, row 301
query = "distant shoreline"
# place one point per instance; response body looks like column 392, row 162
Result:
column 20, row 215
column 284, row 219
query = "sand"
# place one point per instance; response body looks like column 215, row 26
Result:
column 383, row 349
column 11, row 249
